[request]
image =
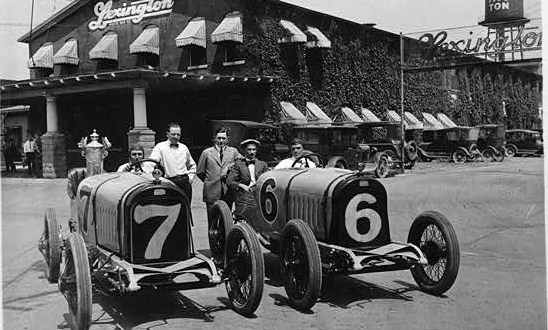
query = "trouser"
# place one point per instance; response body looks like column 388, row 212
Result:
column 29, row 158
column 182, row 182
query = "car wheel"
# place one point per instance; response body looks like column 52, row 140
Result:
column 75, row 281
column 511, row 150
column 459, row 156
column 432, row 233
column 301, row 267
column 487, row 154
column 499, row 155
column 244, row 269
column 50, row 245
column 381, row 171
column 221, row 224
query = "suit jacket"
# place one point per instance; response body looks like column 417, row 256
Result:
column 239, row 173
column 213, row 172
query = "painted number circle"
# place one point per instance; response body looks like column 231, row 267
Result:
column 352, row 215
column 269, row 202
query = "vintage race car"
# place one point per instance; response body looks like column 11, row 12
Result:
column 336, row 220
column 133, row 231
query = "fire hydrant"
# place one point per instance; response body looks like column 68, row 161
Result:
column 94, row 153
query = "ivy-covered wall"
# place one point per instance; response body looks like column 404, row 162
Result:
column 361, row 69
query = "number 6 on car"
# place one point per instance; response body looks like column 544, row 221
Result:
column 335, row 220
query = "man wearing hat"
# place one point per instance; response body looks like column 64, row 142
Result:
column 243, row 176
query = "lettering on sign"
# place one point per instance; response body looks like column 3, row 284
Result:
column 496, row 5
column 135, row 12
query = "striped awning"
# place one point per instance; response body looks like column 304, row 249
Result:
column 290, row 114
column 348, row 115
column 68, row 54
column 147, row 42
column 412, row 122
column 230, row 29
column 316, row 115
column 296, row 34
column 393, row 116
column 430, row 122
column 316, row 39
column 446, row 121
column 368, row 116
column 43, row 58
column 193, row 34
column 106, row 48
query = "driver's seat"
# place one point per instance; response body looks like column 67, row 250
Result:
column 75, row 176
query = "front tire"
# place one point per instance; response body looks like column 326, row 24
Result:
column 487, row 154
column 244, row 269
column 301, row 267
column 221, row 225
column 459, row 156
column 511, row 150
column 75, row 281
column 433, row 234
column 50, row 245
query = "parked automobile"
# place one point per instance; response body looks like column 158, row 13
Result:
column 339, row 145
column 131, row 231
column 492, row 142
column 524, row 142
column 457, row 143
column 386, row 136
column 332, row 220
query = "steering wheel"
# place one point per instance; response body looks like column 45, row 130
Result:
column 308, row 156
column 133, row 165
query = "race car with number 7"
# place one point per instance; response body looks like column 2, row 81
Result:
column 330, row 220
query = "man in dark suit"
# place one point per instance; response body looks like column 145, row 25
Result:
column 213, row 167
column 243, row 177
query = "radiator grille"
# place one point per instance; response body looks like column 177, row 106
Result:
column 308, row 207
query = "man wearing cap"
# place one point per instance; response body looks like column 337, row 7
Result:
column 243, row 176
column 213, row 167
column 176, row 159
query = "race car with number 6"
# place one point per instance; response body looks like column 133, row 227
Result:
column 321, row 220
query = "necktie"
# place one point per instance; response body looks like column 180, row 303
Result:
column 221, row 154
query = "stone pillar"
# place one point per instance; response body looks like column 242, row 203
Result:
column 54, row 152
column 141, row 134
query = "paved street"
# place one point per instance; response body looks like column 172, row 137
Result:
column 497, row 210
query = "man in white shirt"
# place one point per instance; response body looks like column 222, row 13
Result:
column 296, row 150
column 28, row 148
column 176, row 159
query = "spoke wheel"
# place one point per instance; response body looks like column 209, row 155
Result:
column 221, row 225
column 75, row 282
column 458, row 156
column 381, row 171
column 244, row 269
column 433, row 234
column 50, row 245
column 511, row 150
column 499, row 155
column 301, row 268
column 487, row 154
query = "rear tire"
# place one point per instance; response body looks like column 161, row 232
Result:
column 75, row 281
column 433, row 234
column 50, row 245
column 511, row 150
column 221, row 225
column 244, row 269
column 487, row 154
column 301, row 267
column 458, row 156
column 381, row 171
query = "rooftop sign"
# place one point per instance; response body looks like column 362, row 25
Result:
column 106, row 14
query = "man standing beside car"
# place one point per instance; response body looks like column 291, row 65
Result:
column 175, row 157
column 213, row 167
column 243, row 177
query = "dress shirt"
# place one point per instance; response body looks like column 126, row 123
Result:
column 251, row 167
column 28, row 146
column 176, row 160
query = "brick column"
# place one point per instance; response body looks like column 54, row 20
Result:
column 54, row 153
column 141, row 134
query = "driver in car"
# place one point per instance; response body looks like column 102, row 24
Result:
column 136, row 153
column 296, row 151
